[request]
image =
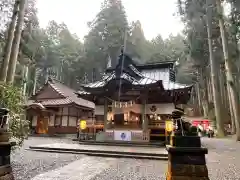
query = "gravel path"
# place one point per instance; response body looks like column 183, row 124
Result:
column 223, row 162
column 27, row 164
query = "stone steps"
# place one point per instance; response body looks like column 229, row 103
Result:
column 113, row 154
column 126, row 144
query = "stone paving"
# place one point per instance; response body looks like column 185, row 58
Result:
column 83, row 169
column 223, row 162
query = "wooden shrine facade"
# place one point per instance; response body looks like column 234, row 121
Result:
column 135, row 99
column 56, row 109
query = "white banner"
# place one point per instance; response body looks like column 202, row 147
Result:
column 122, row 135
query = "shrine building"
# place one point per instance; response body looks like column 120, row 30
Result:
column 56, row 109
column 132, row 102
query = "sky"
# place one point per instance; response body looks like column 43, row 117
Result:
column 156, row 16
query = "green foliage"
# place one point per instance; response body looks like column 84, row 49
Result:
column 107, row 34
column 57, row 52
column 11, row 98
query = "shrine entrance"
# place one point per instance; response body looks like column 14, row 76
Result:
column 42, row 125
column 124, row 115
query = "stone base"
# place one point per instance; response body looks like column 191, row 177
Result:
column 169, row 177
column 186, row 163
column 5, row 150
column 4, row 136
column 7, row 177
column 185, row 141
column 4, row 170
column 5, row 166
column 187, row 170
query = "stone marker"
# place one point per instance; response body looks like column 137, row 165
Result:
column 5, row 148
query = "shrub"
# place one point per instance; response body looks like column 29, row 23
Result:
column 12, row 99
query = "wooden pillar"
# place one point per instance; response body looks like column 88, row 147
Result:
column 68, row 111
column 144, row 119
column 105, row 113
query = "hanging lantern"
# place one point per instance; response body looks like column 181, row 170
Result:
column 169, row 126
column 83, row 124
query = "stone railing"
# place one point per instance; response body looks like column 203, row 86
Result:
column 140, row 136
column 146, row 136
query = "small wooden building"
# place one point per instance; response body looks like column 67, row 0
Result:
column 134, row 101
column 56, row 109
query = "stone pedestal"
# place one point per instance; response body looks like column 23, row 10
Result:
column 5, row 152
column 5, row 148
column 186, row 159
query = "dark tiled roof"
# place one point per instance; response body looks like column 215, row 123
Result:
column 107, row 78
column 69, row 96
column 150, row 66
column 142, row 75
column 148, row 77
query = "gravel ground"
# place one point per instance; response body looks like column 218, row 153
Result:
column 133, row 169
column 223, row 159
column 223, row 162
column 27, row 164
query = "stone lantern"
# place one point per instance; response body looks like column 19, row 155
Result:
column 5, row 147
column 186, row 156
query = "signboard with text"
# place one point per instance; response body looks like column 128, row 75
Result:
column 122, row 135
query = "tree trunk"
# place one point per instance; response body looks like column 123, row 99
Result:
column 214, row 78
column 234, row 36
column 8, row 46
column 199, row 98
column 25, row 80
column 233, row 125
column 222, row 87
column 225, row 91
column 205, row 101
column 228, row 102
column 224, row 97
column 230, row 81
column 210, row 96
column 35, row 81
column 16, row 43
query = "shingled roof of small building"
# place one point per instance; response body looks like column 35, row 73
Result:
column 67, row 96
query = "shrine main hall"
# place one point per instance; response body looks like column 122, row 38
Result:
column 133, row 101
